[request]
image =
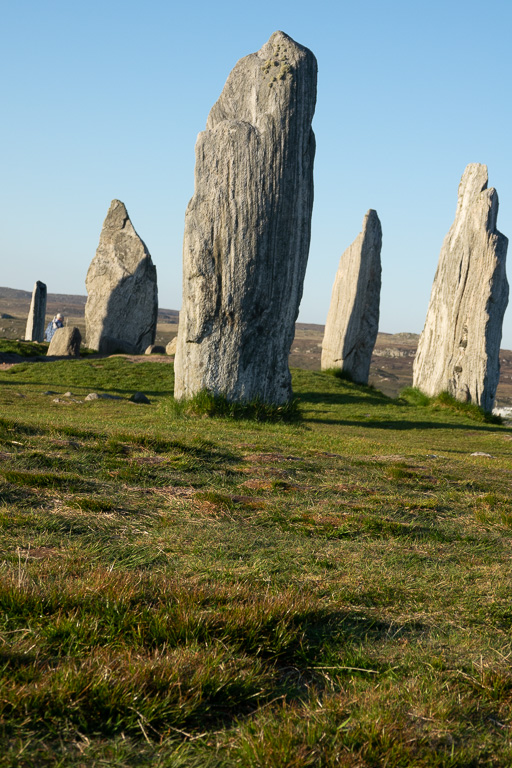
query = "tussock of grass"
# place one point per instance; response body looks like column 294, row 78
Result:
column 46, row 480
column 339, row 373
column 413, row 396
column 93, row 504
column 472, row 411
column 207, row 404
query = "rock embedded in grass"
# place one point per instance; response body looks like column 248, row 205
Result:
column 103, row 396
column 140, row 397
column 247, row 229
column 65, row 342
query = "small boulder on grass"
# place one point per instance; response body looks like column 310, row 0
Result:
column 103, row 396
column 171, row 347
column 139, row 397
column 65, row 343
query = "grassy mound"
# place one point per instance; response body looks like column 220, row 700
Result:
column 472, row 411
column 22, row 348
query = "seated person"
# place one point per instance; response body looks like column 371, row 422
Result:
column 57, row 322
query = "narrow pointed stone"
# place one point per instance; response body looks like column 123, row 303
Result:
column 122, row 302
column 247, row 229
column 34, row 330
column 458, row 350
column 353, row 319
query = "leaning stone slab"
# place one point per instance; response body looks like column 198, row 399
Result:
column 170, row 349
column 458, row 350
column 34, row 330
column 353, row 319
column 65, row 343
column 247, row 229
column 122, row 302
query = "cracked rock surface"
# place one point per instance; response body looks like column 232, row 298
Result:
column 458, row 350
column 122, row 301
column 247, row 229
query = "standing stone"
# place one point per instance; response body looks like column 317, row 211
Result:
column 65, row 343
column 458, row 350
column 247, row 229
column 122, row 303
column 34, row 330
column 353, row 318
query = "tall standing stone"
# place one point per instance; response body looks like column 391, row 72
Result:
column 122, row 302
column 353, row 318
column 458, row 350
column 247, row 229
column 34, row 330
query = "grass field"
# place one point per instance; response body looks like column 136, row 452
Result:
column 183, row 590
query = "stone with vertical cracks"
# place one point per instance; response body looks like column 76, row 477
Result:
column 247, row 229
column 65, row 343
column 122, row 302
column 353, row 319
column 34, row 330
column 458, row 350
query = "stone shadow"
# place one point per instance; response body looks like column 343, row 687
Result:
column 131, row 338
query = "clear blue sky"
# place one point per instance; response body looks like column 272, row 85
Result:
column 104, row 100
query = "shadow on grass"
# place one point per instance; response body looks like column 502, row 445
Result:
column 365, row 396
column 94, row 388
column 284, row 656
column 402, row 426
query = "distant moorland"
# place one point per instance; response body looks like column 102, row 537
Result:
column 391, row 368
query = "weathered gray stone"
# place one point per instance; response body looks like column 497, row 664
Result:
column 34, row 330
column 65, row 343
column 458, row 350
column 122, row 302
column 353, row 319
column 171, row 346
column 247, row 229
column 102, row 396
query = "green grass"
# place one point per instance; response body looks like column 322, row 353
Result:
column 413, row 396
column 178, row 590
column 22, row 348
column 207, row 404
